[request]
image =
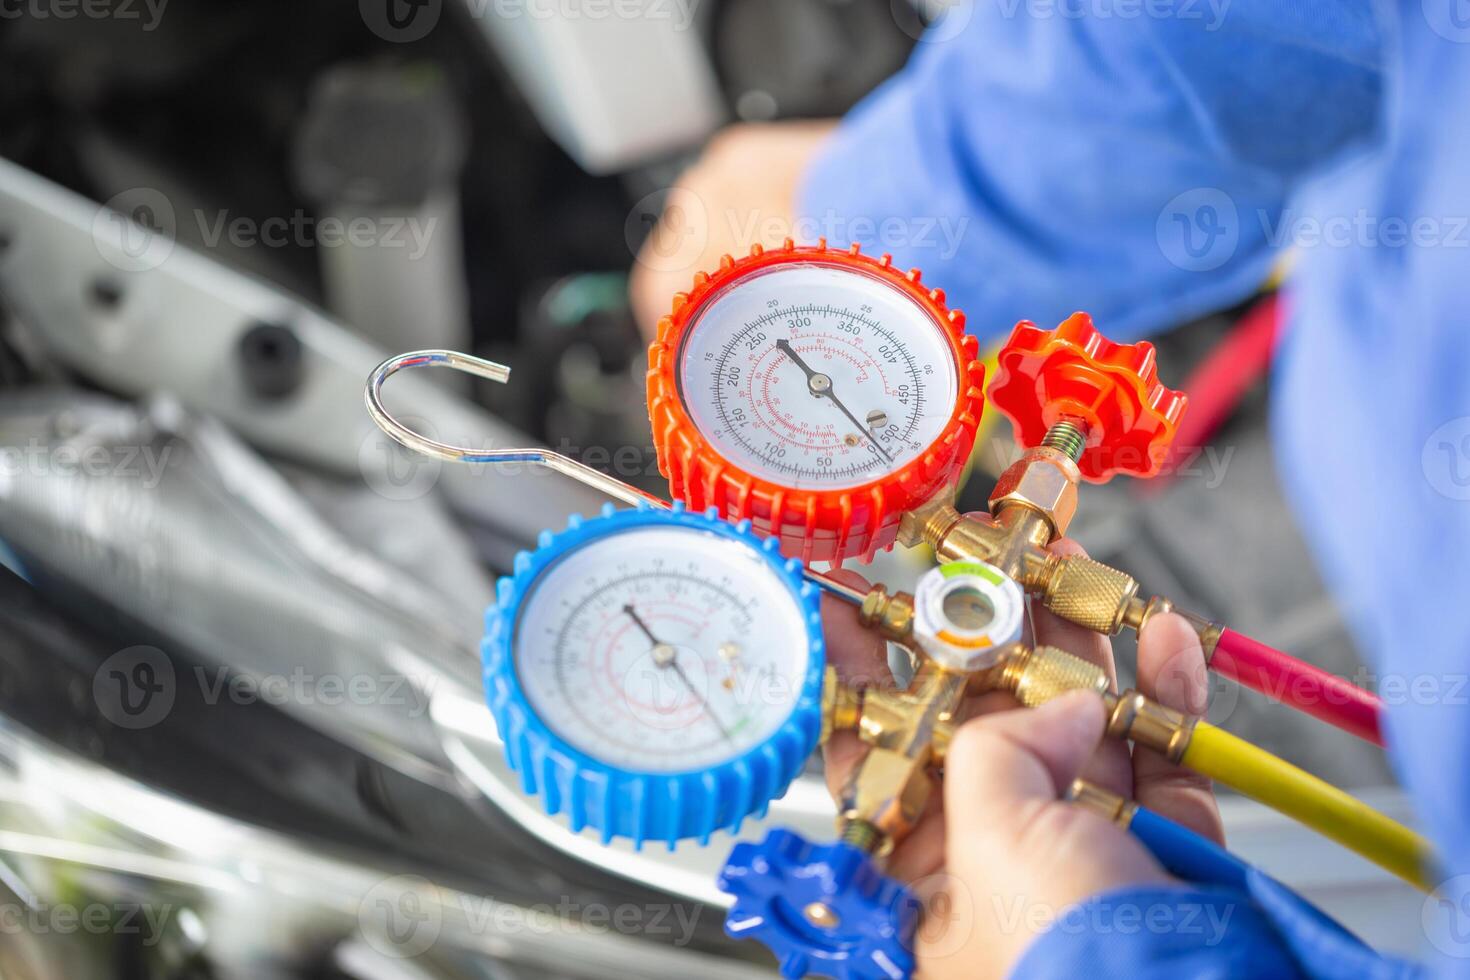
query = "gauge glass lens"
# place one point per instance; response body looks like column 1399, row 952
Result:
column 814, row 376
column 662, row 649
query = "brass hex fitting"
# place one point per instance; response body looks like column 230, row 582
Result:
column 1043, row 480
column 1086, row 592
column 891, row 615
column 1145, row 721
column 890, row 790
column 1038, row 674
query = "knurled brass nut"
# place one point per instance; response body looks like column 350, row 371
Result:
column 1043, row 480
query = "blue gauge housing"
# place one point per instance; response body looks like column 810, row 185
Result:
column 618, row 802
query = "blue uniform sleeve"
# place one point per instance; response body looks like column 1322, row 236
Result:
column 1036, row 159
column 1265, row 931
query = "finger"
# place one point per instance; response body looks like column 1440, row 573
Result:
column 859, row 654
column 999, row 766
column 1172, row 671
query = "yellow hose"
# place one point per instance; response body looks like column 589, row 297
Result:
column 1323, row 807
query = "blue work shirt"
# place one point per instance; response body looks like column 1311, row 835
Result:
column 1151, row 160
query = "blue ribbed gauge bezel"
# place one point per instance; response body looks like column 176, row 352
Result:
column 633, row 804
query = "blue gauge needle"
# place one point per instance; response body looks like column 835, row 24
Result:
column 664, row 655
column 820, row 385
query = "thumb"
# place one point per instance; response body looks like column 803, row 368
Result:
column 999, row 763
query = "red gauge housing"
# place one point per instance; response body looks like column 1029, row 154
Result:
column 811, row 524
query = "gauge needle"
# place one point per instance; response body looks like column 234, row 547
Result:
column 820, row 385
column 664, row 655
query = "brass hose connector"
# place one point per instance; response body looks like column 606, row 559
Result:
column 1085, row 592
column 1105, row 803
column 1133, row 716
column 1140, row 611
column 1035, row 675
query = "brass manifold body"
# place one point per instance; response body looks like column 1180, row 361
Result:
column 1032, row 504
column 908, row 732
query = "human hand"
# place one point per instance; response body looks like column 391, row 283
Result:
column 741, row 192
column 998, row 855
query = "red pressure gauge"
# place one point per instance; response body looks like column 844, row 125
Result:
column 819, row 393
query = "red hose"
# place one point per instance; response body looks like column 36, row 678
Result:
column 1304, row 687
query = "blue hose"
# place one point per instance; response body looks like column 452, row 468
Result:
column 1185, row 854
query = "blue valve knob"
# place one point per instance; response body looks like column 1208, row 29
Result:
column 824, row 910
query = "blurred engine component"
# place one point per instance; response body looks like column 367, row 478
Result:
column 380, row 152
column 171, row 520
column 114, row 298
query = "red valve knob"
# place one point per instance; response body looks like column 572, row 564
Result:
column 1110, row 392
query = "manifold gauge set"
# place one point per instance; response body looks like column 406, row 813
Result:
column 659, row 672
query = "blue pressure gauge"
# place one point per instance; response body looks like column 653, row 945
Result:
column 656, row 675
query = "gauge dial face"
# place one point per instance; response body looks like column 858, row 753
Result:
column 662, row 649
column 817, row 377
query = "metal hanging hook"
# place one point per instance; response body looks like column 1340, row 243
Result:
column 482, row 368
column 565, row 465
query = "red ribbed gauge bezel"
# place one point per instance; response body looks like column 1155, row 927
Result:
column 813, row 525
